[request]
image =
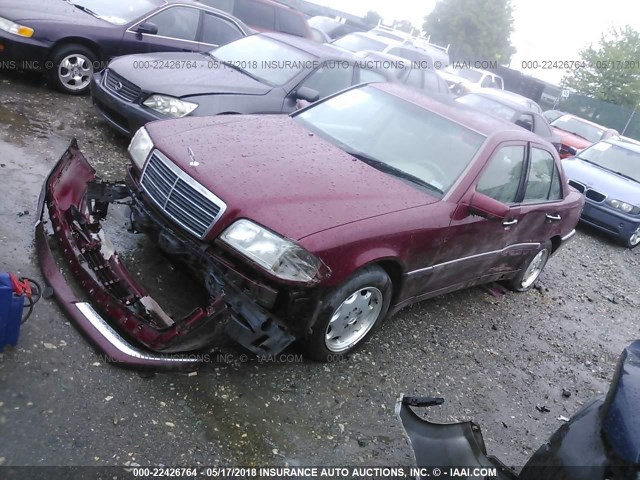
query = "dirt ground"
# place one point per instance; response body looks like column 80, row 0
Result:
column 495, row 360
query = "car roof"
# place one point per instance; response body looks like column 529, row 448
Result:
column 319, row 50
column 584, row 120
column 634, row 147
column 385, row 56
column 518, row 107
column 476, row 120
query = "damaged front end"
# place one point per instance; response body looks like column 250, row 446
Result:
column 121, row 319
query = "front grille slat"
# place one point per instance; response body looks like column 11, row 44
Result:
column 121, row 86
column 177, row 194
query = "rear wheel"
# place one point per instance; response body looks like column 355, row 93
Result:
column 531, row 270
column 350, row 314
column 634, row 240
column 72, row 68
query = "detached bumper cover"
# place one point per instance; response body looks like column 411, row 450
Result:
column 124, row 311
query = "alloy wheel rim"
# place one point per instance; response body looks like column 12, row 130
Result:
column 534, row 269
column 75, row 71
column 353, row 319
column 635, row 238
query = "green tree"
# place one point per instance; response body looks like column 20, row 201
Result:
column 372, row 18
column 610, row 70
column 475, row 29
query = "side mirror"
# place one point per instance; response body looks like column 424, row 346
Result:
column 147, row 28
column 308, row 94
column 487, row 207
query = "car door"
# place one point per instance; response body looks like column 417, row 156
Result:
column 177, row 30
column 216, row 30
column 540, row 208
column 329, row 78
column 478, row 249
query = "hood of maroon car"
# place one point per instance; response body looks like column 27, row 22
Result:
column 572, row 140
column 273, row 171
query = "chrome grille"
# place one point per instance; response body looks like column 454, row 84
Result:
column 121, row 86
column 179, row 196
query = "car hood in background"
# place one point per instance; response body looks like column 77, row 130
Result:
column 602, row 180
column 50, row 10
column 273, row 171
column 572, row 140
column 193, row 74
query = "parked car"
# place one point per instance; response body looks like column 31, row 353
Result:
column 513, row 97
column 608, row 174
column 412, row 47
column 266, row 16
column 332, row 29
column 419, row 78
column 264, row 73
column 494, row 102
column 367, row 41
column 467, row 80
column 70, row 40
column 551, row 115
column 577, row 133
column 315, row 226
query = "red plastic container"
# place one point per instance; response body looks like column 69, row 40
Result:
column 11, row 307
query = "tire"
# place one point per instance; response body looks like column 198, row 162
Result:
column 369, row 287
column 634, row 239
column 72, row 68
column 530, row 272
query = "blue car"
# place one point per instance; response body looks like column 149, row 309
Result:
column 608, row 174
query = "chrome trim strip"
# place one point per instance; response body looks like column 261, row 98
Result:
column 189, row 181
column 120, row 343
column 569, row 235
column 471, row 257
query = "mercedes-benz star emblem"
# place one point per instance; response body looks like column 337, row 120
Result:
column 193, row 162
column 118, row 86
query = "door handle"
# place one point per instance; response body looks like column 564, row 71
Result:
column 508, row 223
column 556, row 218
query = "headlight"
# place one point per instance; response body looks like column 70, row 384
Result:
column 140, row 147
column 624, row 206
column 281, row 257
column 10, row 27
column 170, row 106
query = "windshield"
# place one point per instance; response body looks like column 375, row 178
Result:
column 573, row 125
column 118, row 12
column 265, row 59
column 395, row 136
column 358, row 43
column 488, row 106
column 614, row 158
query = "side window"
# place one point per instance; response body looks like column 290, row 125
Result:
column 291, row 23
column 498, row 83
column 431, row 83
column 414, row 79
column 543, row 183
column 329, row 79
column 525, row 121
column 501, row 178
column 177, row 22
column 256, row 14
column 541, row 127
column 371, row 76
column 224, row 5
column 487, row 82
column 218, row 31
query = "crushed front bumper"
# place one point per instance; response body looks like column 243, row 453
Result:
column 122, row 320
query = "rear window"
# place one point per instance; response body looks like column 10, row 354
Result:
column 256, row 14
column 292, row 24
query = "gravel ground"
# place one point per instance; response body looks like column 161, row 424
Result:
column 495, row 360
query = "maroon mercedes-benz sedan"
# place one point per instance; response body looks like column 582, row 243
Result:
column 311, row 227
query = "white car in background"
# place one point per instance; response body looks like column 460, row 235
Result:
column 468, row 80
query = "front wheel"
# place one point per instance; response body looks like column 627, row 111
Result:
column 634, row 240
column 72, row 68
column 531, row 270
column 350, row 314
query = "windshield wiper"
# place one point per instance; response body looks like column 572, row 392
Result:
column 385, row 167
column 84, row 9
column 626, row 176
column 235, row 67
